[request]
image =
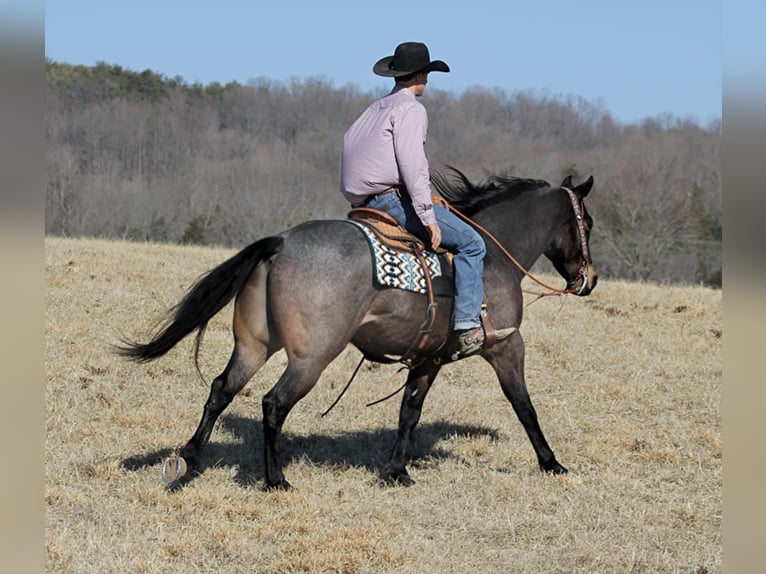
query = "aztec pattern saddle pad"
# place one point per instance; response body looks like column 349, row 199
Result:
column 402, row 270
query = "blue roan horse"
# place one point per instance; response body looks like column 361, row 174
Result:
column 309, row 291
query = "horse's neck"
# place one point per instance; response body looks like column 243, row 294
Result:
column 525, row 226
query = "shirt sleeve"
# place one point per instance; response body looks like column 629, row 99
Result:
column 409, row 130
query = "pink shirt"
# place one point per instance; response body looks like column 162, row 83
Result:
column 385, row 147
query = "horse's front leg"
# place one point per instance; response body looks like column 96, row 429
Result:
column 418, row 383
column 508, row 362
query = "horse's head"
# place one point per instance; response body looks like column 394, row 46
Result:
column 569, row 249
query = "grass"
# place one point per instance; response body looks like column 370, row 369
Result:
column 626, row 382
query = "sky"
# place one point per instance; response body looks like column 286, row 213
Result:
column 636, row 60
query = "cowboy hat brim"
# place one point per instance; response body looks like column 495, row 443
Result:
column 383, row 68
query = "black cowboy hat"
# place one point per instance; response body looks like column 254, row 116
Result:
column 409, row 58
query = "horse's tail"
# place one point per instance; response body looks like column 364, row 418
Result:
column 202, row 302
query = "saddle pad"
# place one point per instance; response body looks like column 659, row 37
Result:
column 402, row 270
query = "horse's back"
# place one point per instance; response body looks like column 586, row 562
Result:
column 323, row 252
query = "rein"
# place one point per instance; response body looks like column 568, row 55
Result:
column 577, row 207
column 373, row 403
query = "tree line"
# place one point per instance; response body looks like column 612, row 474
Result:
column 140, row 156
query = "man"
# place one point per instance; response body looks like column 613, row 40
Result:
column 384, row 166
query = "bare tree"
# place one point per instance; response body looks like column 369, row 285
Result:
column 136, row 156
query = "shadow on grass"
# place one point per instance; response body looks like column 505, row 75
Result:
column 368, row 449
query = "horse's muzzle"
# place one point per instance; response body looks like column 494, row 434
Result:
column 585, row 282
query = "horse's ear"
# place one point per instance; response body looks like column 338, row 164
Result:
column 567, row 182
column 584, row 188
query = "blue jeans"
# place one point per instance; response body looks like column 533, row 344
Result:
column 459, row 238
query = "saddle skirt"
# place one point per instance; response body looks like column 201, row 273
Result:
column 394, row 255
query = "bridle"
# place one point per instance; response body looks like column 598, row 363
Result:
column 579, row 211
column 587, row 263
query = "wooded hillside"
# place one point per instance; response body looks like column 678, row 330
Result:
column 136, row 155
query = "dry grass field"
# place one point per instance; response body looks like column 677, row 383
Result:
column 626, row 382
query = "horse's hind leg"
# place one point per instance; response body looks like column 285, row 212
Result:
column 297, row 380
column 243, row 364
column 251, row 350
column 418, row 384
column 508, row 363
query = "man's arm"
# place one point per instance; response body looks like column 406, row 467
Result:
column 409, row 138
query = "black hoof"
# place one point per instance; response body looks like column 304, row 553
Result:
column 554, row 468
column 282, row 485
column 191, row 456
column 392, row 478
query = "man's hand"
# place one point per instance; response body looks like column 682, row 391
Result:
column 436, row 235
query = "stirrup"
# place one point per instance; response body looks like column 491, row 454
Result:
column 466, row 350
column 467, row 343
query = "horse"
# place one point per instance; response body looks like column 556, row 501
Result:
column 308, row 290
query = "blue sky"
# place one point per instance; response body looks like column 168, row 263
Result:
column 635, row 59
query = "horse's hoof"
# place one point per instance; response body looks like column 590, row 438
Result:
column 173, row 469
column 282, row 485
column 397, row 479
column 556, row 468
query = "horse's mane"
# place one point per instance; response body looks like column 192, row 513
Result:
column 469, row 198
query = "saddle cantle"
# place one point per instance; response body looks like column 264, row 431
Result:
column 386, row 228
column 390, row 232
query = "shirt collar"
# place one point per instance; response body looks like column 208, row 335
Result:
column 398, row 89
